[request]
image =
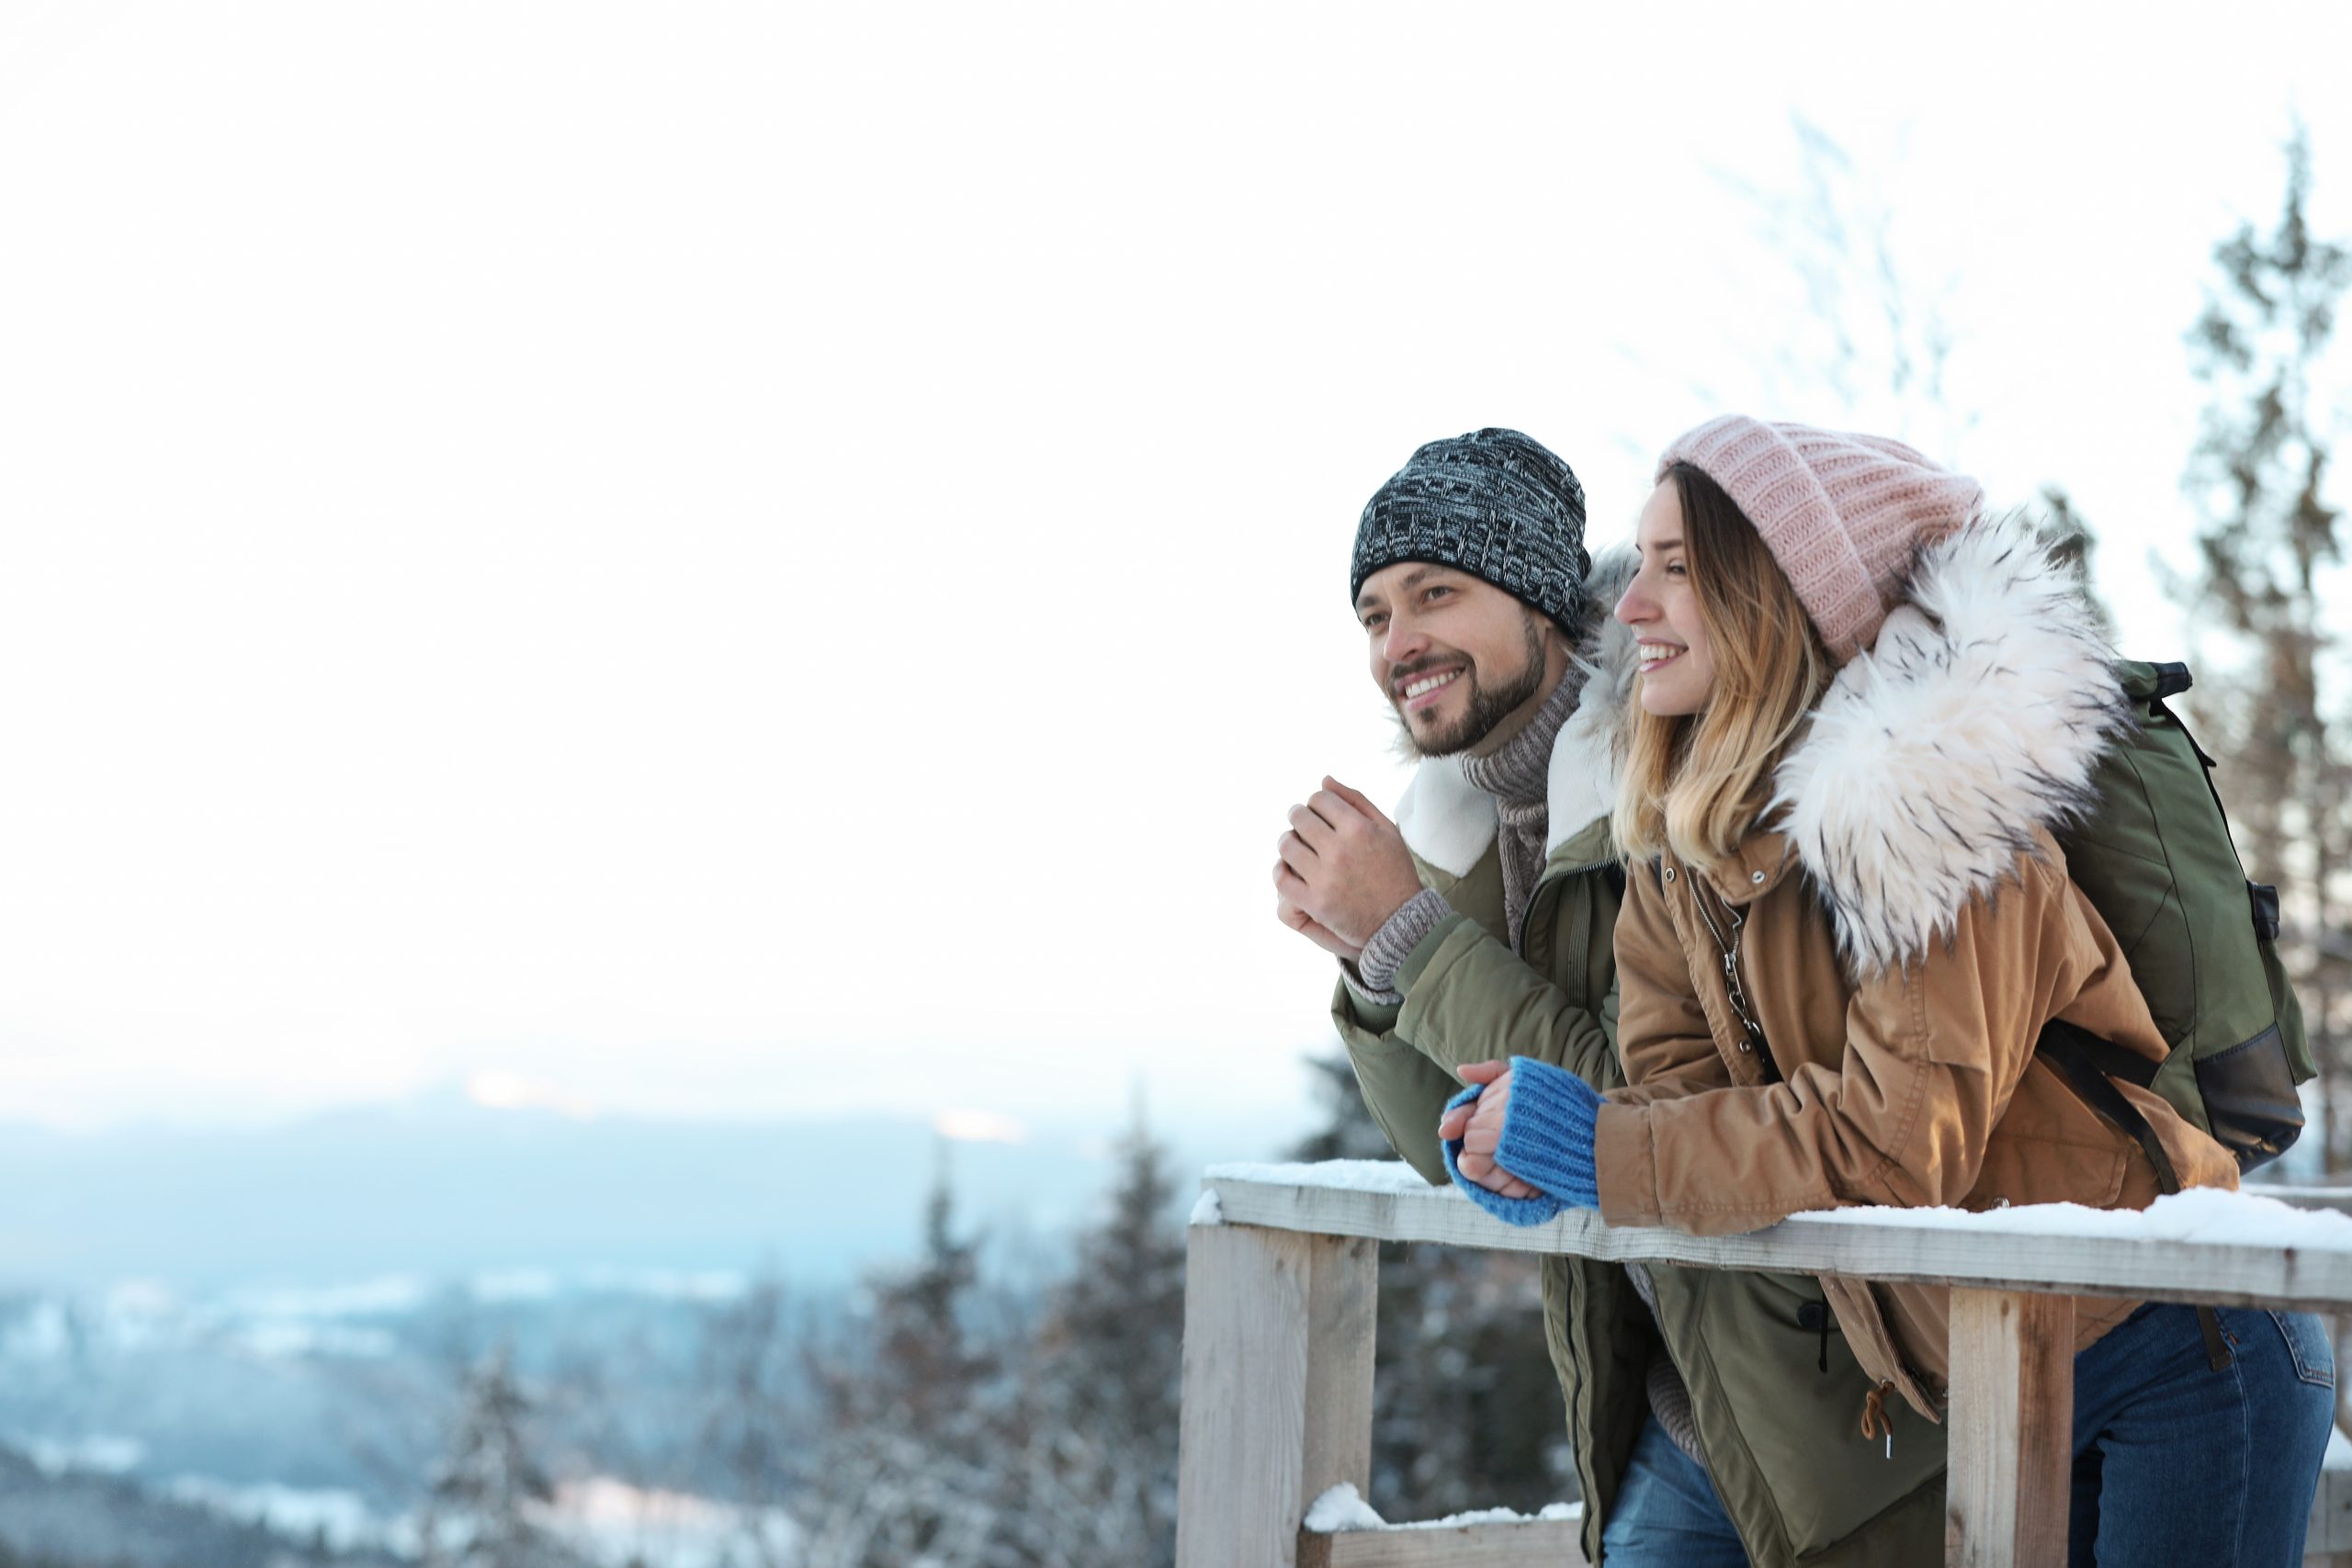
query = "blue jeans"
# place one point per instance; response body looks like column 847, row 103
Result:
column 2176, row 1463
column 1666, row 1514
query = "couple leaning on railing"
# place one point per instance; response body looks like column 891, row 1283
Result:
column 1734, row 882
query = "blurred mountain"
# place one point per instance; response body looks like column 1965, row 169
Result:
column 444, row 1187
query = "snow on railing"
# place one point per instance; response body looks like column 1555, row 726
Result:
column 1278, row 1342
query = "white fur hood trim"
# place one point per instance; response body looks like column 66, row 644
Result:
column 1449, row 821
column 1446, row 820
column 1975, row 719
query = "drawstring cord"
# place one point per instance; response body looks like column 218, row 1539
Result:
column 1875, row 1420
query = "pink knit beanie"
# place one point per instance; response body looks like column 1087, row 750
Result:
column 1843, row 514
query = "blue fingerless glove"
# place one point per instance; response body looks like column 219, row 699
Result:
column 1546, row 1143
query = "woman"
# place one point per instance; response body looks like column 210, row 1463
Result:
column 1863, row 708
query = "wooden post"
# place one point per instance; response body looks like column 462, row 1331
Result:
column 2012, row 1429
column 1342, row 1319
column 1278, row 1342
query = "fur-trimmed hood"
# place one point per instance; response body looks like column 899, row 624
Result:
column 1450, row 822
column 1974, row 719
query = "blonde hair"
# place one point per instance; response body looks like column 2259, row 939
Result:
column 1696, row 783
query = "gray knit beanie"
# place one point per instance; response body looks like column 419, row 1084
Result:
column 1493, row 504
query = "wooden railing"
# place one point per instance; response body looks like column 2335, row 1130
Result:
column 1279, row 1321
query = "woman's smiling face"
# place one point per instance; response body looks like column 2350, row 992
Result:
column 1677, row 669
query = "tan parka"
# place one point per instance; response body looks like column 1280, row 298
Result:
column 1903, row 930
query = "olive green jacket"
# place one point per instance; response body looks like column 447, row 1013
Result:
column 1782, row 1436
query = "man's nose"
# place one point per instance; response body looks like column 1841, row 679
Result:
column 1403, row 642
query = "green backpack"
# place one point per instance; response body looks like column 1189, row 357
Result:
column 2156, row 860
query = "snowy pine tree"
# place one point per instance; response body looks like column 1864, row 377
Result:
column 929, row 1369
column 1118, row 1322
column 749, row 1431
column 485, row 1493
column 908, row 1472
column 2270, row 536
column 1100, row 1416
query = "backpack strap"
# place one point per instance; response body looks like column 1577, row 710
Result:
column 2079, row 1054
column 2081, row 1057
column 2109, row 1060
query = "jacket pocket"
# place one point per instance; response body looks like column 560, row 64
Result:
column 1862, row 1317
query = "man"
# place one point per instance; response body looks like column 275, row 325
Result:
column 1710, row 1419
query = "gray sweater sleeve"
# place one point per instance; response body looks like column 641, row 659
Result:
column 1372, row 977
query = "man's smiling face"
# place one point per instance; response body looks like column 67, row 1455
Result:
column 1455, row 655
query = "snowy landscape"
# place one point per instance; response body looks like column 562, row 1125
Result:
column 291, row 1330
column 998, row 1378
column 320, row 1413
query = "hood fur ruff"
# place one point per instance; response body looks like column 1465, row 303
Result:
column 1975, row 719
column 1449, row 821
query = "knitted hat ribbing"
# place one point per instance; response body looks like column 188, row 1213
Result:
column 1844, row 515
column 1493, row 504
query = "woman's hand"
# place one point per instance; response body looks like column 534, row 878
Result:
column 1480, row 1126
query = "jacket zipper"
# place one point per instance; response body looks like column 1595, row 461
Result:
column 1546, row 880
column 1751, row 1032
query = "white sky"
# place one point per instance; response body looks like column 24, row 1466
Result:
column 789, row 559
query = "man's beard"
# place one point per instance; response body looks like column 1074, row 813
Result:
column 1489, row 705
